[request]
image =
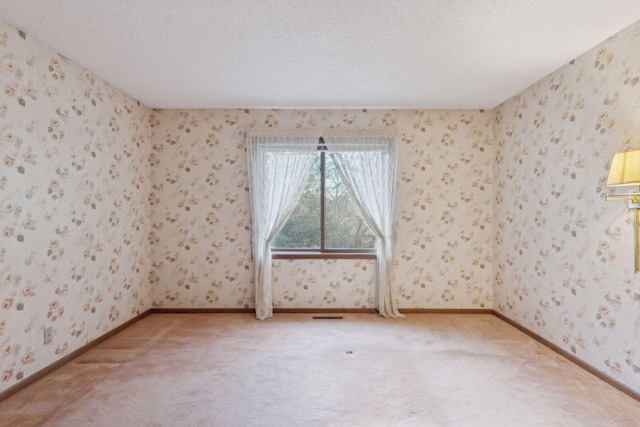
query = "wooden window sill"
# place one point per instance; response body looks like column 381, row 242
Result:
column 321, row 255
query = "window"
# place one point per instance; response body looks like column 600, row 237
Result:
column 278, row 162
column 325, row 219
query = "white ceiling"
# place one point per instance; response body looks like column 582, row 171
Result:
column 321, row 53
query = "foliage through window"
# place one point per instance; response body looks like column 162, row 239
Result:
column 340, row 228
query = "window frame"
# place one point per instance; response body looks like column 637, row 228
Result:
column 323, row 252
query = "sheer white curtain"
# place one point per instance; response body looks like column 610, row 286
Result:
column 277, row 166
column 367, row 163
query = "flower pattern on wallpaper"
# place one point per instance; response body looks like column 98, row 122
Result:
column 200, row 228
column 564, row 256
column 74, row 181
column 341, row 282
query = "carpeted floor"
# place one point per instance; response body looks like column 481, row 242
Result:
column 232, row 370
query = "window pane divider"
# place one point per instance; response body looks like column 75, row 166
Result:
column 322, row 200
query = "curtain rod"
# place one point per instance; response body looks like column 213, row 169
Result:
column 319, row 133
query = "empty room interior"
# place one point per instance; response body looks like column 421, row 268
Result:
column 472, row 252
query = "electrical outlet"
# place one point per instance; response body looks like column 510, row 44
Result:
column 48, row 335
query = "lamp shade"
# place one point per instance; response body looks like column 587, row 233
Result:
column 625, row 169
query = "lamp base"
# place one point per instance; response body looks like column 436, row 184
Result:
column 634, row 203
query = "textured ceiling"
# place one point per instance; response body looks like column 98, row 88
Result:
column 321, row 53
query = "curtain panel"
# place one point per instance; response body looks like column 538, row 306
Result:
column 278, row 162
column 367, row 162
column 277, row 166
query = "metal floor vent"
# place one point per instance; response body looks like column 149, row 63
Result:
column 327, row 317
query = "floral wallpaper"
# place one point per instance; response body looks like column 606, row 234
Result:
column 330, row 283
column 200, row 224
column 74, row 216
column 563, row 256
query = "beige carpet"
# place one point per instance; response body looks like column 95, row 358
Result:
column 232, row 370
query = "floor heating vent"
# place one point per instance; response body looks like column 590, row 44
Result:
column 327, row 317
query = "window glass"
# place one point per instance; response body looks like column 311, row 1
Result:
column 344, row 228
column 302, row 229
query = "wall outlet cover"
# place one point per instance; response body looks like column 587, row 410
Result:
column 48, row 335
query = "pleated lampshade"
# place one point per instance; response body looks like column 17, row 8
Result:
column 625, row 169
